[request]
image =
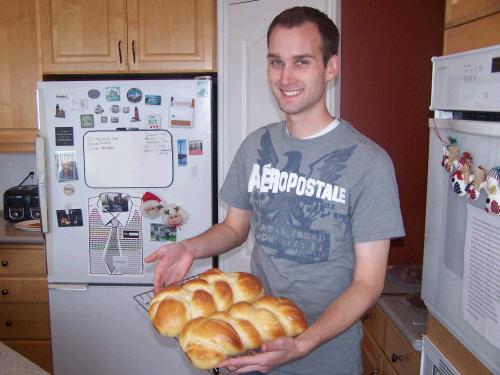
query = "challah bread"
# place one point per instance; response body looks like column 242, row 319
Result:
column 172, row 308
column 208, row 341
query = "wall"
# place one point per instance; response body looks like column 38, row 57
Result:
column 385, row 93
column 14, row 168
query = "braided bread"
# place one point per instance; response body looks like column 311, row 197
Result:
column 173, row 307
column 208, row 341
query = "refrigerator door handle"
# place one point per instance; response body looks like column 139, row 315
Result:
column 42, row 187
column 68, row 286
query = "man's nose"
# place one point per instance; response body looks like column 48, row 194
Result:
column 287, row 75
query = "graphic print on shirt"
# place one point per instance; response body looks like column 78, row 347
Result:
column 287, row 202
column 115, row 234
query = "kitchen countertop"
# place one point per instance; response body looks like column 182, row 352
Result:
column 9, row 234
column 14, row 363
column 408, row 319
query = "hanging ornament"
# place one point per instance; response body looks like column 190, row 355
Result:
column 473, row 189
column 493, row 191
column 461, row 177
column 449, row 161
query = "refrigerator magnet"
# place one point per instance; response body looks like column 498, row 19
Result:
column 104, row 119
column 182, row 152
column 135, row 117
column 61, row 113
column 181, row 112
column 72, row 218
column 64, row 136
column 153, row 121
column 162, row 233
column 195, row 147
column 79, row 103
column 134, row 95
column 126, row 109
column 114, row 120
column 98, row 109
column 113, row 94
column 153, row 100
column 66, row 166
column 115, row 108
column 69, row 189
column 94, row 93
column 87, row 121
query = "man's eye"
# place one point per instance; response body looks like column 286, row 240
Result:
column 276, row 62
column 302, row 62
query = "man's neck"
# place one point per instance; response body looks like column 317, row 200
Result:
column 305, row 126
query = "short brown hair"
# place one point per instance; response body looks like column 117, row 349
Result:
column 297, row 16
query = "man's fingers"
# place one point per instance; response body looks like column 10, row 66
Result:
column 151, row 257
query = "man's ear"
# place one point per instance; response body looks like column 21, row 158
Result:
column 332, row 68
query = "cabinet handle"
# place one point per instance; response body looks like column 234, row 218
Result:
column 8, row 323
column 376, row 371
column 5, row 292
column 366, row 317
column 395, row 358
column 120, row 50
column 133, row 51
column 5, row 263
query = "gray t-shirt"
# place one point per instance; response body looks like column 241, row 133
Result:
column 312, row 200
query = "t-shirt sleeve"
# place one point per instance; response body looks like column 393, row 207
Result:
column 375, row 210
column 234, row 191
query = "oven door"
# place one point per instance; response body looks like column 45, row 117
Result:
column 433, row 362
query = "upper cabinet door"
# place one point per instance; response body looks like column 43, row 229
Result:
column 82, row 36
column 171, row 35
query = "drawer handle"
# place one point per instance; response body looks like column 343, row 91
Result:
column 366, row 316
column 5, row 292
column 376, row 371
column 8, row 323
column 5, row 263
column 395, row 358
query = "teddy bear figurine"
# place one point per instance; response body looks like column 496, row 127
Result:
column 473, row 189
column 461, row 177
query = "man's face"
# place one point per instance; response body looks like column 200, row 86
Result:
column 296, row 71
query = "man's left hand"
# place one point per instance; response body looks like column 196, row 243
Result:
column 273, row 353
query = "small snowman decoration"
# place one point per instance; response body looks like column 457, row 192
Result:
column 493, row 190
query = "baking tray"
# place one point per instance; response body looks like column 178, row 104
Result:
column 144, row 300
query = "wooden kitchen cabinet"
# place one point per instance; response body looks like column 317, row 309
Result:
column 24, row 302
column 19, row 72
column 384, row 350
column 471, row 24
column 127, row 36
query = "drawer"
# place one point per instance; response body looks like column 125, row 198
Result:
column 398, row 351
column 24, row 321
column 371, row 353
column 374, row 322
column 23, row 289
column 37, row 351
column 22, row 261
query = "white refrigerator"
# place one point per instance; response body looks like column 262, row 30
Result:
column 124, row 167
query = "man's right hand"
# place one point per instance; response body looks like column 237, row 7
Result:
column 173, row 263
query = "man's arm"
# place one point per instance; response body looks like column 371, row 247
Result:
column 367, row 284
column 174, row 260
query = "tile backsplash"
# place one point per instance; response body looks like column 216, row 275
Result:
column 14, row 168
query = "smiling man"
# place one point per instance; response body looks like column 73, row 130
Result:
column 321, row 199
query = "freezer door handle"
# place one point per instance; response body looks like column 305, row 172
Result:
column 42, row 188
column 68, row 286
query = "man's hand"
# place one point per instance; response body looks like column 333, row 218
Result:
column 173, row 264
column 274, row 353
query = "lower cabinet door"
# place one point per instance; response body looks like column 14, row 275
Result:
column 402, row 356
column 371, row 354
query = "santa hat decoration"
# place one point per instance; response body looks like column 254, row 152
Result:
column 151, row 206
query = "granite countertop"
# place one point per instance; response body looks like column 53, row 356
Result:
column 9, row 234
column 14, row 363
column 396, row 302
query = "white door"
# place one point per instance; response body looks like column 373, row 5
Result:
column 245, row 100
column 102, row 330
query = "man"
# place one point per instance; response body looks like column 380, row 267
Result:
column 322, row 200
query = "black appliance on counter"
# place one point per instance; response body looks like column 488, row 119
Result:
column 21, row 202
